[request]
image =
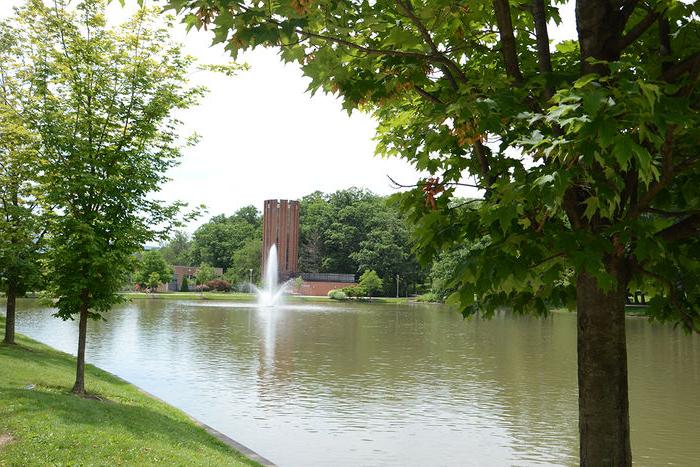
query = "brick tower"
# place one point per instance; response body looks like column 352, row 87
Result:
column 281, row 227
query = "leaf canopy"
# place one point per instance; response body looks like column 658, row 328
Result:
column 585, row 150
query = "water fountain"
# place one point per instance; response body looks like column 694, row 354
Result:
column 272, row 291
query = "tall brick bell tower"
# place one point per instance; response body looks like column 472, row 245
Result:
column 281, row 227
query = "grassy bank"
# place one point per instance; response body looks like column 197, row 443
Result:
column 41, row 423
column 246, row 297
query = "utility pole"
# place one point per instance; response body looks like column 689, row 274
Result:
column 397, row 286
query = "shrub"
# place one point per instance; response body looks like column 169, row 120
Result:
column 219, row 285
column 370, row 282
column 337, row 294
column 354, row 291
column 201, row 288
column 185, row 286
column 299, row 282
column 430, row 297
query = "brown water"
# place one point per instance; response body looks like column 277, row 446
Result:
column 360, row 384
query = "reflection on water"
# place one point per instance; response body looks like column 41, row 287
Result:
column 359, row 384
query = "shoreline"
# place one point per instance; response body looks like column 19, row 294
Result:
column 232, row 443
column 118, row 423
column 248, row 297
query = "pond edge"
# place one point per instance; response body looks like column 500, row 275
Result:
column 232, row 443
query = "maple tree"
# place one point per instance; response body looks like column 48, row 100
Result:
column 585, row 151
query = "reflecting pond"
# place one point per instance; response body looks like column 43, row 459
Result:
column 383, row 384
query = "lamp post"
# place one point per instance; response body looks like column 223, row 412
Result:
column 250, row 280
column 397, row 286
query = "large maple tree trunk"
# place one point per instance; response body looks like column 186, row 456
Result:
column 10, row 313
column 602, row 374
column 79, row 386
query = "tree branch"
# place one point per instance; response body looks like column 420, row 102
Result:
column 572, row 208
column 628, row 8
column 426, row 95
column 687, row 65
column 481, row 153
column 687, row 319
column 549, row 258
column 665, row 43
column 400, row 185
column 542, row 36
column 637, row 30
column 688, row 227
column 664, row 213
column 450, row 67
column 352, row 45
column 407, row 9
column 508, row 46
column 361, row 48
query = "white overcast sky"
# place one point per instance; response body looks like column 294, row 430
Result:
column 264, row 136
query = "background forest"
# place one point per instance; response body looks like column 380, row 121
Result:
column 349, row 231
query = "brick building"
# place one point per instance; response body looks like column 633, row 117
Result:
column 281, row 228
column 319, row 284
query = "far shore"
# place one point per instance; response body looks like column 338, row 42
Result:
column 631, row 310
column 249, row 297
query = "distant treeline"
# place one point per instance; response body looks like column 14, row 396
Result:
column 348, row 231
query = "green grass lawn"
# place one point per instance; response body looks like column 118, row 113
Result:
column 247, row 297
column 46, row 425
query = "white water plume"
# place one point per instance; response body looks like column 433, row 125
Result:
column 272, row 291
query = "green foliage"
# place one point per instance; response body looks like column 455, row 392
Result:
column 370, row 282
column 177, row 250
column 445, row 268
column 354, row 291
column 298, row 284
column 153, row 281
column 245, row 258
column 216, row 241
column 354, row 230
column 346, row 231
column 430, row 297
column 101, row 104
column 152, row 268
column 204, row 274
column 585, row 153
column 21, row 219
column 185, row 286
column 219, row 285
column 337, row 294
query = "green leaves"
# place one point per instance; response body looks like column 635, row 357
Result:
column 216, row 241
column 102, row 103
column 152, row 267
column 567, row 161
column 21, row 216
column 585, row 80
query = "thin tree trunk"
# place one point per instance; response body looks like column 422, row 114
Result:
column 602, row 374
column 79, row 386
column 10, row 313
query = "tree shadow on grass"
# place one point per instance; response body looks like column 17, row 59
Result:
column 54, row 360
column 142, row 422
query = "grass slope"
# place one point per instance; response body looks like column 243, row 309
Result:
column 47, row 425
